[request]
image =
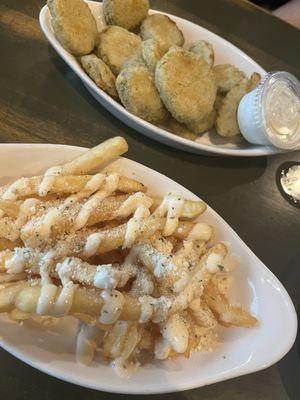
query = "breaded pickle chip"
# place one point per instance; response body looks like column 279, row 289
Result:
column 186, row 85
column 74, row 25
column 181, row 129
column 219, row 100
column 227, row 76
column 204, row 49
column 125, row 13
column 152, row 53
column 204, row 124
column 162, row 29
column 117, row 45
column 226, row 122
column 253, row 81
column 138, row 94
column 100, row 73
column 135, row 61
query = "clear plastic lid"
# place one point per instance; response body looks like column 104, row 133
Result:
column 277, row 109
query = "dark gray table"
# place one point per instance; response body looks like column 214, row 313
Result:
column 41, row 100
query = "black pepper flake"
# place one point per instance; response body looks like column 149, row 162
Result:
column 221, row 267
column 105, row 311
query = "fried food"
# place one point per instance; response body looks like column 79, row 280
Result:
column 218, row 102
column 254, row 81
column 152, row 53
column 140, row 274
column 204, row 124
column 181, row 129
column 138, row 94
column 226, row 122
column 227, row 76
column 135, row 61
column 125, row 13
column 205, row 50
column 162, row 29
column 73, row 25
column 117, row 45
column 100, row 74
column 186, row 85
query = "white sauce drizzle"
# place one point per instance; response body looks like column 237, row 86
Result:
column 48, row 180
column 111, row 185
column 92, row 244
column 106, row 277
column 112, row 307
column 11, row 192
column 27, row 209
column 133, row 202
column 45, row 228
column 200, row 231
column 212, row 261
column 133, row 225
column 46, row 299
column 172, row 204
column 91, row 187
column 16, row 263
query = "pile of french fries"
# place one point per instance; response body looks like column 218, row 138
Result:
column 138, row 273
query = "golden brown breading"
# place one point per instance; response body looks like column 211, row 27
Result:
column 204, row 49
column 117, row 45
column 135, row 61
column 181, row 130
column 100, row 74
column 186, row 85
column 73, row 25
column 125, row 13
column 227, row 76
column 152, row 53
column 161, row 28
column 138, row 94
column 204, row 124
column 226, row 122
column 254, row 81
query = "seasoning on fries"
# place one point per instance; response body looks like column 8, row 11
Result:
column 139, row 273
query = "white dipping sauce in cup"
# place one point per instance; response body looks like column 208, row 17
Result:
column 270, row 114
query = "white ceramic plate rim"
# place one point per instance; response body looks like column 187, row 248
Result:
column 282, row 348
column 141, row 125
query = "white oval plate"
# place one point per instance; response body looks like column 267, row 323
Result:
column 225, row 53
column 242, row 350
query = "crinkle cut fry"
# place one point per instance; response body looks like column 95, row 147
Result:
column 62, row 185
